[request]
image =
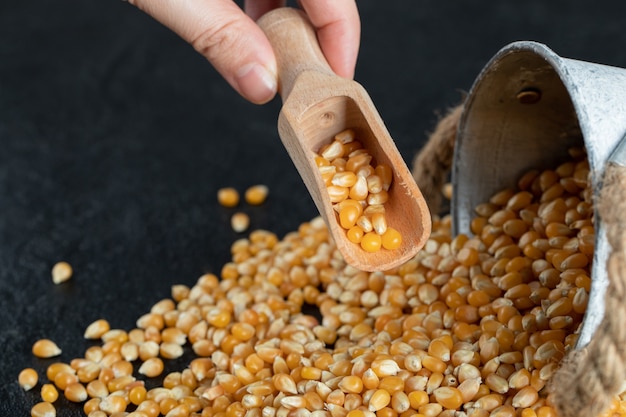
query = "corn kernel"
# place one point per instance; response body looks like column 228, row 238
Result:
column 349, row 215
column 449, row 397
column 43, row 409
column 92, row 407
column 28, row 378
column 256, row 194
column 240, row 222
column 45, row 348
column 75, row 392
column 61, row 272
column 152, row 367
column 355, row 234
column 380, row 399
column 228, row 197
column 371, row 242
column 351, row 384
column 113, row 404
column 49, row 393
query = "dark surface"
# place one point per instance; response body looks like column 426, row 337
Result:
column 115, row 136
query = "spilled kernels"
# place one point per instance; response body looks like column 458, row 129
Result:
column 228, row 197
column 43, row 409
column 256, row 194
column 471, row 325
column 28, row 378
column 61, row 272
column 45, row 348
column 97, row 329
column 240, row 222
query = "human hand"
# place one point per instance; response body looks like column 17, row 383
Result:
column 238, row 49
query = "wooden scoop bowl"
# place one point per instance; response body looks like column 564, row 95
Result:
column 318, row 104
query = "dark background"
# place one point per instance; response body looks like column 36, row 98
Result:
column 115, row 136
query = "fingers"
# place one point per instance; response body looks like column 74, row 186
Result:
column 238, row 48
column 338, row 32
column 230, row 40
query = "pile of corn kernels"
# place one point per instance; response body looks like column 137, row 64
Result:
column 472, row 326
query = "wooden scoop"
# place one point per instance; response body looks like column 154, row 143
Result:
column 318, row 104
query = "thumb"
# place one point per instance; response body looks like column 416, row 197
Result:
column 230, row 40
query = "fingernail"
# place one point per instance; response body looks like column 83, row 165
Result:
column 256, row 83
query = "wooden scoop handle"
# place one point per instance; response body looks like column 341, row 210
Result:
column 295, row 44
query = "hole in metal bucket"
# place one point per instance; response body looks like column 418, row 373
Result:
column 529, row 95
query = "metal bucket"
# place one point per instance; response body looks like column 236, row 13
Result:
column 527, row 107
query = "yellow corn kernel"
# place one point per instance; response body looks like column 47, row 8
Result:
column 439, row 349
column 49, row 393
column 113, row 404
column 345, row 136
column 92, row 407
column 433, row 364
column 45, row 348
column 378, row 198
column 61, row 272
column 332, row 151
column 113, row 341
column 348, row 215
column 180, row 410
column 149, row 408
column 64, row 378
column 150, row 320
column 365, row 224
column 171, row 350
column 228, row 197
column 497, row 384
column 28, row 378
column 310, row 373
column 256, row 194
column 351, row 384
column 240, row 222
column 379, row 223
column 489, row 402
column 119, row 383
column 43, row 409
column 344, row 179
column 385, row 367
column 546, row 411
column 391, row 384
column 359, row 190
column 371, row 242
column 385, row 173
column 152, row 367
column 327, row 172
column 449, row 397
column 122, row 368
column 355, row 234
column 75, row 392
column 379, row 399
column 285, row 383
column 97, row 389
column 148, row 349
column 525, row 397
column 528, row 412
column 358, row 160
column 321, row 161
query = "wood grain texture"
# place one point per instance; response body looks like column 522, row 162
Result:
column 317, row 104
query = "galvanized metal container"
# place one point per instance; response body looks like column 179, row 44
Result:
column 527, row 107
